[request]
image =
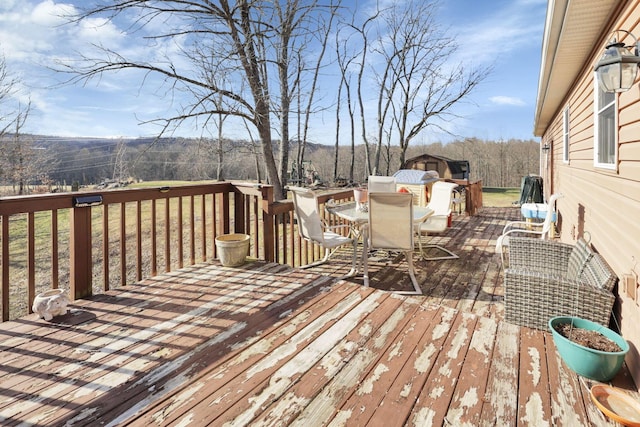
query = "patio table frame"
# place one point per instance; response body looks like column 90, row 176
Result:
column 360, row 224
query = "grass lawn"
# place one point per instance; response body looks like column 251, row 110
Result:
column 500, row 197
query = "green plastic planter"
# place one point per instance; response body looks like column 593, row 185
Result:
column 594, row 364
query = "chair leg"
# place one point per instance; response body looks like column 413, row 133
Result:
column 416, row 287
column 354, row 262
column 327, row 255
column 505, row 262
column 500, row 248
column 449, row 254
column 423, row 256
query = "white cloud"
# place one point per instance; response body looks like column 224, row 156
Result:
column 28, row 30
column 51, row 14
column 8, row 4
column 100, row 31
column 507, row 100
column 486, row 39
column 36, row 35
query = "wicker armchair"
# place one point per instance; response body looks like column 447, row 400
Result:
column 547, row 279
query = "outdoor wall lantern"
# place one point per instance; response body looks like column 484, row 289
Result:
column 618, row 67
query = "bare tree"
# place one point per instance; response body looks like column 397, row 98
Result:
column 120, row 167
column 418, row 86
column 336, row 146
column 220, row 148
column 321, row 37
column 219, row 120
column 9, row 113
column 287, row 16
column 250, row 41
column 254, row 150
column 363, row 31
column 22, row 162
column 344, row 59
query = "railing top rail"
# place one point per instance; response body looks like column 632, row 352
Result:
column 46, row 202
column 282, row 206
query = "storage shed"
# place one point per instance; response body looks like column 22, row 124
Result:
column 451, row 170
column 417, row 182
column 446, row 168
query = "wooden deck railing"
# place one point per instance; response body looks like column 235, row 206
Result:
column 50, row 241
column 472, row 193
column 123, row 236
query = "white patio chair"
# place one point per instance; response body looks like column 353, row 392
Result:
column 390, row 227
column 312, row 228
column 440, row 202
column 527, row 228
column 381, row 184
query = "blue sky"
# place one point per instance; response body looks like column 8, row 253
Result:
column 504, row 33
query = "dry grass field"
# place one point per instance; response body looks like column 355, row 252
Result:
column 496, row 197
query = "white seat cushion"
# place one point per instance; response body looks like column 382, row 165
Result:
column 333, row 240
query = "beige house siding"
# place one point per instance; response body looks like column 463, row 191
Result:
column 602, row 204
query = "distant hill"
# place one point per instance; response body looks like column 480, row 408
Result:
column 92, row 160
column 87, row 142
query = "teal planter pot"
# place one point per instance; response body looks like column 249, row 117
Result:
column 594, row 364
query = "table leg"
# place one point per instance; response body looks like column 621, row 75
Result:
column 365, row 254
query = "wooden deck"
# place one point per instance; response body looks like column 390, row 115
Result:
column 269, row 345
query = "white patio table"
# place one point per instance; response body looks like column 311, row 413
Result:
column 360, row 221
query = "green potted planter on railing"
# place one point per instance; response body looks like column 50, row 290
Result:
column 233, row 249
column 594, row 364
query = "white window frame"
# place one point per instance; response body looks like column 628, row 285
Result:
column 565, row 135
column 596, row 127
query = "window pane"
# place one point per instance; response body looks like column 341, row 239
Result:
column 606, row 136
column 605, row 98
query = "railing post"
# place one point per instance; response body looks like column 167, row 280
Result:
column 473, row 197
column 224, row 211
column 238, row 213
column 268, row 224
column 4, row 289
column 81, row 260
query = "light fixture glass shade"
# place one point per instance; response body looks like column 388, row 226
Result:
column 617, row 69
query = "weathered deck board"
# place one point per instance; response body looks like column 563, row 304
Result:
column 470, row 392
column 533, row 383
column 384, row 395
column 268, row 380
column 499, row 406
column 435, row 398
column 340, row 385
column 311, row 385
column 566, row 402
column 266, row 345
